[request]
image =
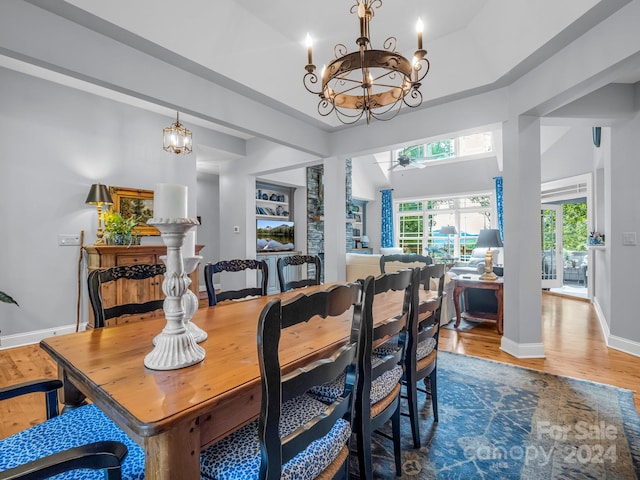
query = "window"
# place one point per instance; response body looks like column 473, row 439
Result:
column 418, row 225
column 450, row 148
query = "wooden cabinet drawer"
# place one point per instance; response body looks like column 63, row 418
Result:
column 135, row 259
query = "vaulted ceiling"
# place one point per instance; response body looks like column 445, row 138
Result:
column 256, row 49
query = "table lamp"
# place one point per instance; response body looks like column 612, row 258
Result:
column 489, row 238
column 448, row 230
column 364, row 241
column 99, row 195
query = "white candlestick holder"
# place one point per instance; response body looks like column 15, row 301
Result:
column 174, row 347
column 190, row 301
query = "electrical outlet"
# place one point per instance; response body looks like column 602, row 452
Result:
column 68, row 239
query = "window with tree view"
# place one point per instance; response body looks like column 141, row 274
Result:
column 418, row 225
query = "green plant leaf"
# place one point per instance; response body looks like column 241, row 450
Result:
column 6, row 298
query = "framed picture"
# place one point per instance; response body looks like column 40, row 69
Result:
column 133, row 202
column 357, row 217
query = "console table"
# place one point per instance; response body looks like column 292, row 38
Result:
column 462, row 283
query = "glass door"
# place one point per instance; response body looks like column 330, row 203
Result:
column 551, row 245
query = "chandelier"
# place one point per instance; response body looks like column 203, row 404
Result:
column 368, row 82
column 176, row 138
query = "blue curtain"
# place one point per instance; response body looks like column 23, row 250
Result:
column 387, row 218
column 499, row 206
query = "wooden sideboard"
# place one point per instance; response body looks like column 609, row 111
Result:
column 127, row 291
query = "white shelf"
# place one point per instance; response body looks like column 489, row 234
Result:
column 597, row 247
column 272, row 217
column 270, row 202
column 272, row 209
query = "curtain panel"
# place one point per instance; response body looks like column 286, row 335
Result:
column 499, row 206
column 387, row 219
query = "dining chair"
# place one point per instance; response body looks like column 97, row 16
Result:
column 296, row 435
column 421, row 359
column 82, row 438
column 309, row 261
column 392, row 263
column 146, row 276
column 381, row 363
column 236, row 265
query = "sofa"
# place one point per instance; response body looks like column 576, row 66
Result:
column 360, row 266
column 475, row 265
column 478, row 300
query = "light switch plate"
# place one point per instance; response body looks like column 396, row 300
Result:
column 629, row 238
column 68, row 239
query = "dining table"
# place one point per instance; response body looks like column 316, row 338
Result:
column 174, row 414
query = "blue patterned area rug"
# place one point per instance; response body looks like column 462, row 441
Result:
column 501, row 422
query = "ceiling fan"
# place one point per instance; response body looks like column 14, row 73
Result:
column 404, row 160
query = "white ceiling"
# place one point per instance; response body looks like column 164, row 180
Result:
column 260, row 45
column 256, row 48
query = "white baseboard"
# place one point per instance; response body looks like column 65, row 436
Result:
column 604, row 326
column 522, row 350
column 29, row 338
column 624, row 345
column 618, row 343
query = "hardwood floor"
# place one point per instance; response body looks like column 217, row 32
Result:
column 573, row 344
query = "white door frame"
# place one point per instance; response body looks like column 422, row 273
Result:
column 565, row 189
column 557, row 261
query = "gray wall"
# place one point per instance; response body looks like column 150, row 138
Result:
column 209, row 210
column 57, row 141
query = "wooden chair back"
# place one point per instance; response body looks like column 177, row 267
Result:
column 436, row 272
column 390, row 326
column 311, row 261
column 340, row 363
column 423, row 326
column 236, row 265
column 143, row 273
column 391, row 263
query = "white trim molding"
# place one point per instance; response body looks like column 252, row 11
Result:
column 522, row 350
column 613, row 341
column 28, row 338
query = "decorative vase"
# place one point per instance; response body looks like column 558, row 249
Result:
column 174, row 347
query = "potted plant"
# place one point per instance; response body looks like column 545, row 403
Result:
column 6, row 298
column 118, row 230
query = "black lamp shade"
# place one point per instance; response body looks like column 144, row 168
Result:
column 98, row 194
column 489, row 238
column 448, row 230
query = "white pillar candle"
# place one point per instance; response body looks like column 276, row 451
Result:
column 170, row 201
column 189, row 245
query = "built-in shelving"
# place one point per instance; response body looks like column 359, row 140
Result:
column 272, row 203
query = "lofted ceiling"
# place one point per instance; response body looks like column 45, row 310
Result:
column 257, row 49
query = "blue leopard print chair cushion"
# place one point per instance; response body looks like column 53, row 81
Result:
column 76, row 427
column 423, row 349
column 380, row 387
column 238, row 455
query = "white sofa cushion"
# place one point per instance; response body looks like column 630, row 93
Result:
column 361, row 266
column 391, row 251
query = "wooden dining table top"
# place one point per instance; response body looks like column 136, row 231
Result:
column 214, row 397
